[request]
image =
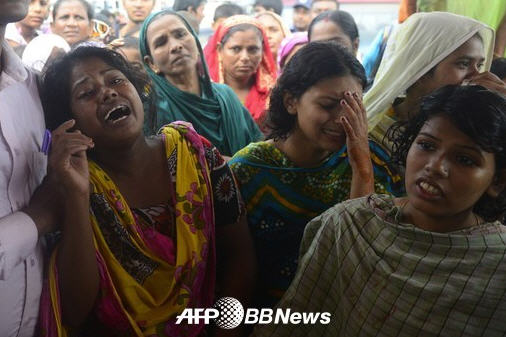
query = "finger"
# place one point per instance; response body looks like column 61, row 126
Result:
column 350, row 99
column 63, row 127
column 63, row 150
column 71, row 136
column 351, row 116
column 361, row 110
column 350, row 133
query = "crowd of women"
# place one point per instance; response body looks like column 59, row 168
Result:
column 266, row 167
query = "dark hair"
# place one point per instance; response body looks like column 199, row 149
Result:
column 226, row 10
column 241, row 28
column 273, row 5
column 474, row 110
column 499, row 67
column 342, row 19
column 314, row 62
column 184, row 5
column 55, row 88
column 89, row 8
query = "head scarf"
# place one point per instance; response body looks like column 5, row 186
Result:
column 265, row 77
column 284, row 28
column 417, row 46
column 287, row 46
column 217, row 115
column 38, row 50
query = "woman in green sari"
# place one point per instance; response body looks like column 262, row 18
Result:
column 174, row 60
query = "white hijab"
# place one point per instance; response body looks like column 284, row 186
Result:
column 39, row 49
column 415, row 47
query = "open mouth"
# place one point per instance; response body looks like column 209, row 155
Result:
column 429, row 189
column 116, row 114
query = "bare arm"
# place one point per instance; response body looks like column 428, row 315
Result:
column 237, row 266
column 76, row 261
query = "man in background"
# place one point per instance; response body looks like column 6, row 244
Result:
column 137, row 11
column 301, row 16
column 224, row 11
column 194, row 7
column 320, row 6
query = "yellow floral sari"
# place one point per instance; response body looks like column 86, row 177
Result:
column 142, row 289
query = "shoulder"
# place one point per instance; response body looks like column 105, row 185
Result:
column 258, row 153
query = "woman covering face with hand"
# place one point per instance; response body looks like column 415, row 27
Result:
column 174, row 60
column 427, row 52
column 317, row 155
column 147, row 221
column 430, row 264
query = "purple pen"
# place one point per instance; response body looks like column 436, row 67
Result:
column 46, row 142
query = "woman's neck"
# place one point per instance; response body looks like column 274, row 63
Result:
column 130, row 161
column 27, row 32
column 440, row 224
column 186, row 81
column 301, row 151
column 239, row 84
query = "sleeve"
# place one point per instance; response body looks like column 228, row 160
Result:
column 18, row 238
column 313, row 289
column 228, row 204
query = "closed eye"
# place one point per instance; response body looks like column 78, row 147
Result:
column 86, row 94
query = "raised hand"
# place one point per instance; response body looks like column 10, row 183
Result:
column 488, row 80
column 68, row 164
column 354, row 121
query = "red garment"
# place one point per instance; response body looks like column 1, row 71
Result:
column 258, row 96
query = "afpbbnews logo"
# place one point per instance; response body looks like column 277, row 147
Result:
column 228, row 313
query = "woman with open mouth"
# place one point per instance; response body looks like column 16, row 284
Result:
column 432, row 263
column 316, row 155
column 146, row 222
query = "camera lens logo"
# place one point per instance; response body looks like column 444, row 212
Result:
column 231, row 313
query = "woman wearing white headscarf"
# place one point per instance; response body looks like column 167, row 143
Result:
column 426, row 52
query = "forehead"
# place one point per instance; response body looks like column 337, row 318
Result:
column 327, row 28
column 444, row 128
column 325, row 4
column 248, row 36
column 472, row 48
column 164, row 23
column 268, row 20
column 72, row 7
column 335, row 86
column 89, row 67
